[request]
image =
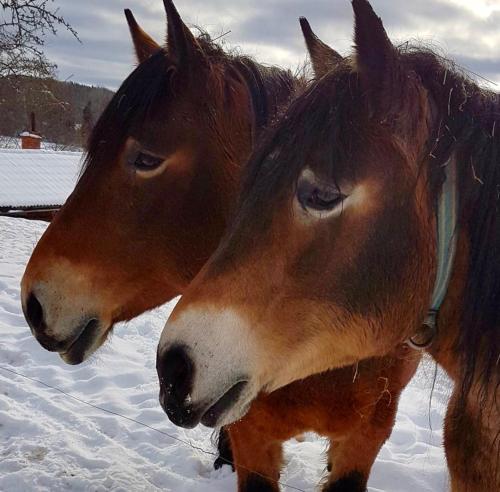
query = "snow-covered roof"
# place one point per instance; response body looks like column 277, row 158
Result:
column 37, row 178
column 29, row 134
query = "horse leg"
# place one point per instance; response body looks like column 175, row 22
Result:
column 349, row 463
column 258, row 459
column 471, row 454
column 351, row 457
column 224, row 448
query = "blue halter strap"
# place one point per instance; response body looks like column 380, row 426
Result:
column 446, row 218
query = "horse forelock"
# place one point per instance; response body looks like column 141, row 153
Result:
column 129, row 107
column 323, row 113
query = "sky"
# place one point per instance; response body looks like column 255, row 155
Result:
column 466, row 31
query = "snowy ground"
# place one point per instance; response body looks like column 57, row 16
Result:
column 50, row 442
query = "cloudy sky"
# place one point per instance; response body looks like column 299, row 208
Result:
column 466, row 30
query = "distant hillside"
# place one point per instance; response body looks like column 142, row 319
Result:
column 64, row 111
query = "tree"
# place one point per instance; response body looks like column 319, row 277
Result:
column 87, row 123
column 24, row 24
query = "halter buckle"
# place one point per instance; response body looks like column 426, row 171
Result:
column 424, row 337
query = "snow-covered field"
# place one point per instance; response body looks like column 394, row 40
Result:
column 51, row 442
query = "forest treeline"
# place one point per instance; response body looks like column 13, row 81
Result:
column 64, row 111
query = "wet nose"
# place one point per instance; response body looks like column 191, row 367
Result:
column 176, row 373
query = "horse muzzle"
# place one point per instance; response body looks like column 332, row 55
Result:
column 176, row 374
column 66, row 324
column 204, row 378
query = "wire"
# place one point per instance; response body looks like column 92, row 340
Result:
column 138, row 422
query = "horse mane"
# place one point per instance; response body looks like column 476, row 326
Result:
column 149, row 87
column 467, row 127
column 467, row 118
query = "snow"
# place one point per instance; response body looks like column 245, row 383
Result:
column 51, row 442
column 32, row 178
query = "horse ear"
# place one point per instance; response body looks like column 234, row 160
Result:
column 377, row 59
column 144, row 45
column 181, row 43
column 391, row 88
column 323, row 58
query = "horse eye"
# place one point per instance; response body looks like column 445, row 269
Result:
column 146, row 162
column 318, row 197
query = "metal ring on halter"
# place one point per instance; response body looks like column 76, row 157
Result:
column 426, row 334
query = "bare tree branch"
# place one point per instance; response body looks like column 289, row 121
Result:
column 24, row 25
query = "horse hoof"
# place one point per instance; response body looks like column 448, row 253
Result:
column 220, row 462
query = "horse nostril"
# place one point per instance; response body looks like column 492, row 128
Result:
column 34, row 313
column 175, row 371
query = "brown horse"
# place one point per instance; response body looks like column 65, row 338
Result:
column 153, row 201
column 332, row 255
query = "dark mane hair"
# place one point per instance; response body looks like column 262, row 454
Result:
column 149, row 87
column 466, row 126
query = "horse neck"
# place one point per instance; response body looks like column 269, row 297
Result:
column 469, row 340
